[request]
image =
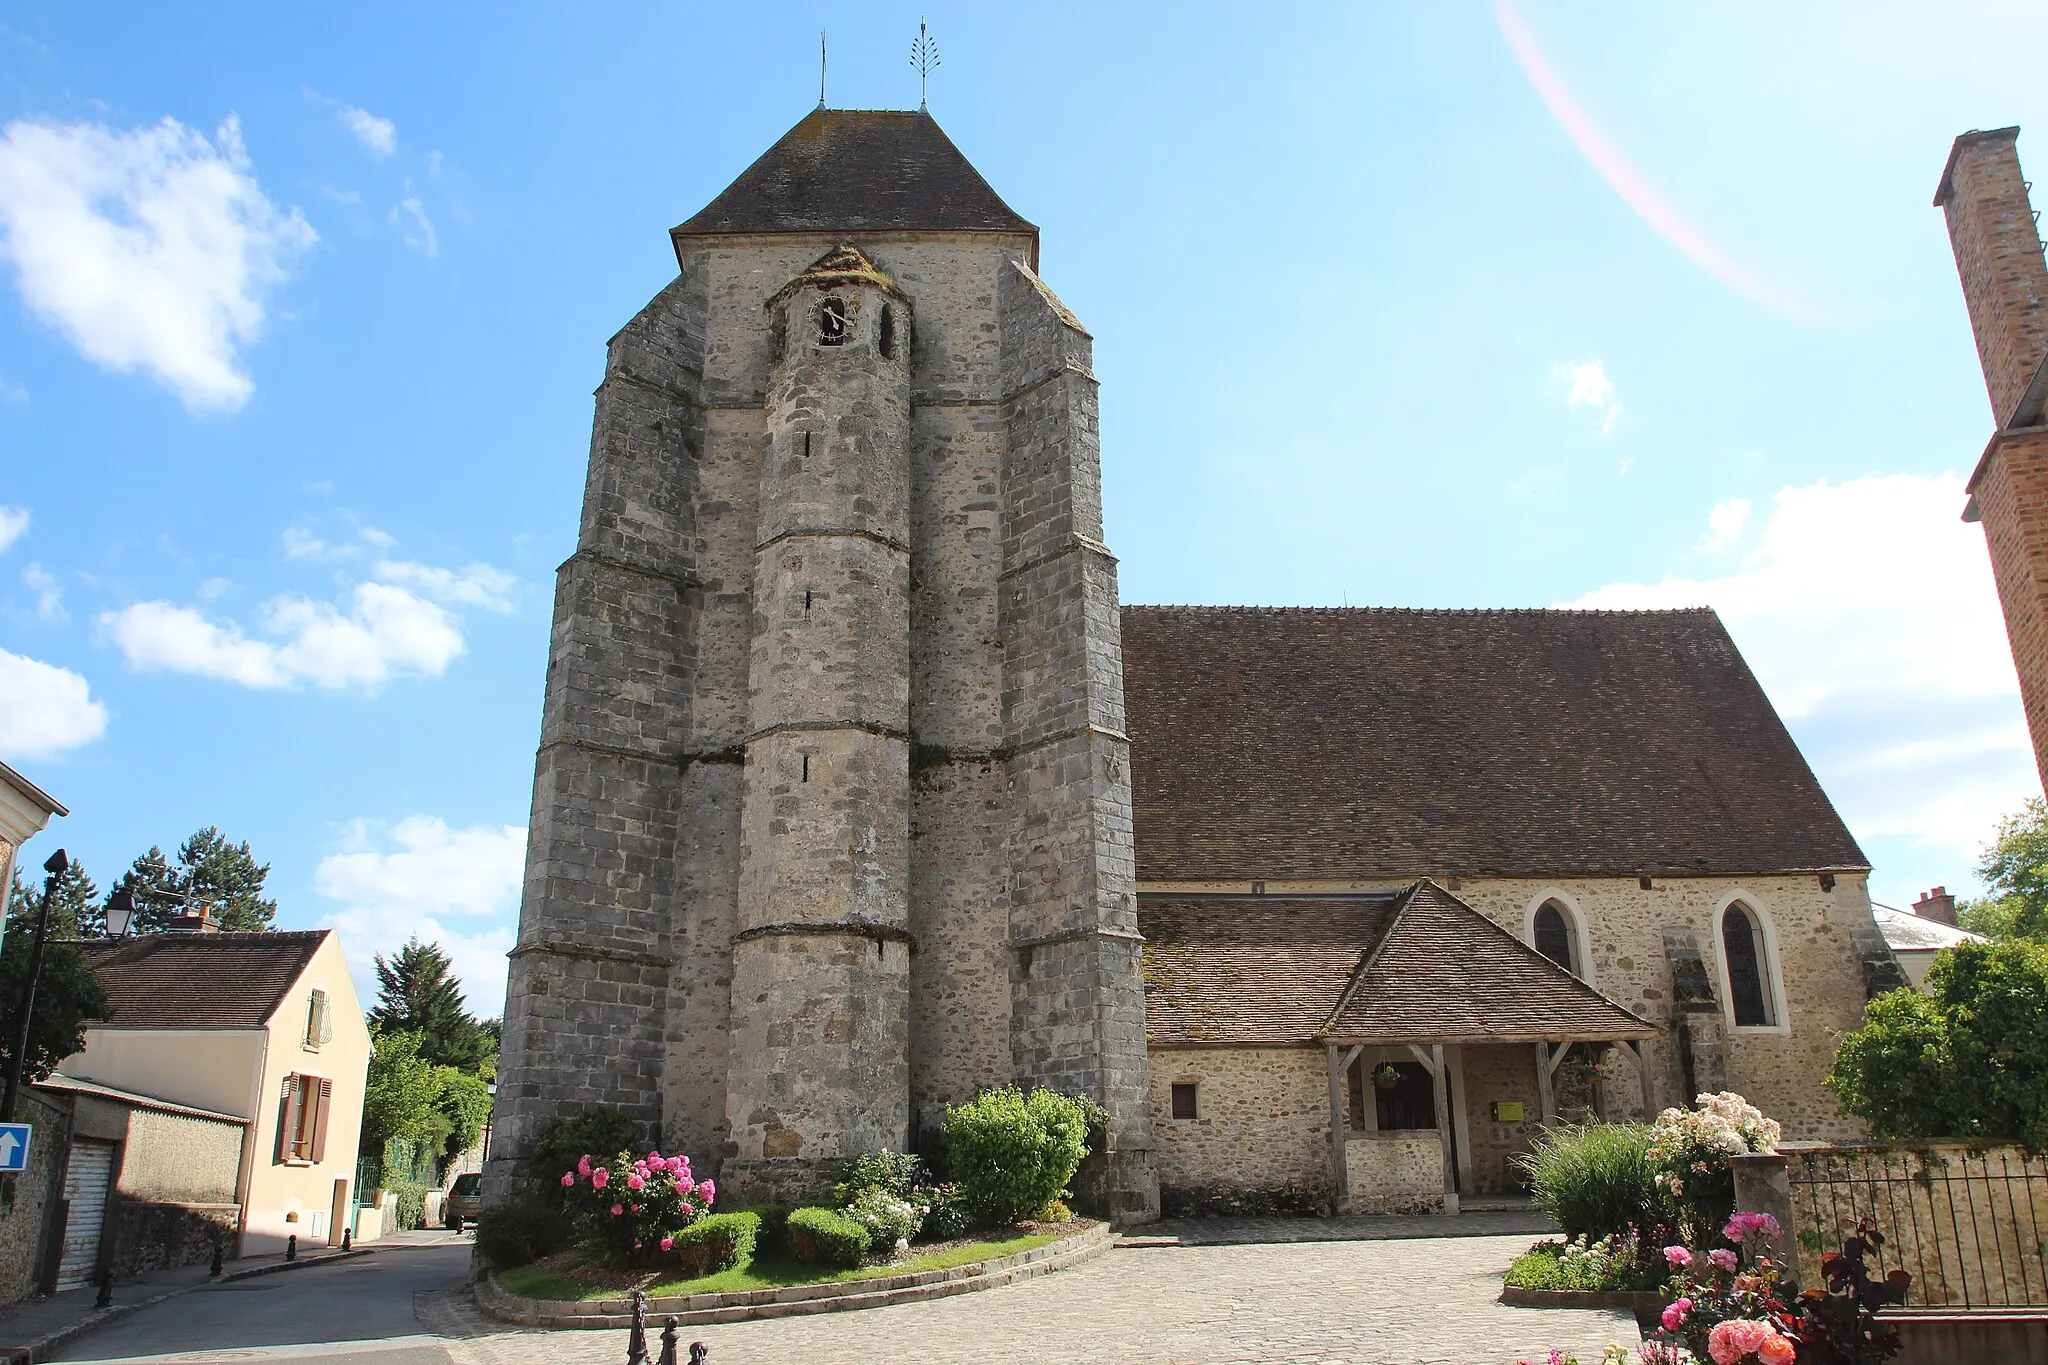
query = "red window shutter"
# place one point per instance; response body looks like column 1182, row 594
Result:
column 324, row 1101
column 288, row 1117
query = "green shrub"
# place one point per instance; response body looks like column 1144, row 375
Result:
column 1597, row 1178
column 565, row 1138
column 947, row 1216
column 412, row 1204
column 774, row 1227
column 717, row 1241
column 1055, row 1212
column 1014, row 1153
column 521, row 1232
column 889, row 1219
column 1621, row 1262
column 823, row 1237
column 893, row 1173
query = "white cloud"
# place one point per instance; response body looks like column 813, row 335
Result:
column 12, row 393
column 13, row 521
column 49, row 596
column 414, row 228
column 380, row 135
column 455, row 887
column 300, row 543
column 477, row 585
column 1868, row 612
column 148, row 248
column 1725, row 522
column 48, row 710
column 377, row 632
column 1586, row 385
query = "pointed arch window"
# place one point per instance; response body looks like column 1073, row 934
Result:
column 1743, row 949
column 832, row 322
column 1555, row 939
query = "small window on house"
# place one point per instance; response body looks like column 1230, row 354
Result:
column 302, row 1119
column 1742, row 946
column 1554, row 937
column 1410, row 1102
column 887, row 341
column 832, row 323
column 1183, row 1099
column 319, row 1021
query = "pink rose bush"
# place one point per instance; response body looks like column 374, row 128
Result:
column 663, row 1198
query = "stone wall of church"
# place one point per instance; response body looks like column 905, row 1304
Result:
column 1260, row 1138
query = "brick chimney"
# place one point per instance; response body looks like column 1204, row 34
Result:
column 1937, row 905
column 2005, row 282
column 195, row 921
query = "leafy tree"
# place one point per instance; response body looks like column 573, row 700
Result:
column 74, row 905
column 1967, row 1060
column 464, row 1100
column 68, row 993
column 399, row 1092
column 208, row 870
column 416, row 993
column 2015, row 866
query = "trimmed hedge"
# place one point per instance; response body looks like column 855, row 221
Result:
column 824, row 1238
column 774, row 1227
column 718, row 1241
column 1013, row 1153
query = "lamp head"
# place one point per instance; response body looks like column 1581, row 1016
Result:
column 120, row 912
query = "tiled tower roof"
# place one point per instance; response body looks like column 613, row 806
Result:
column 853, row 170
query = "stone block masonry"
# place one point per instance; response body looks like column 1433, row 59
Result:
column 831, row 817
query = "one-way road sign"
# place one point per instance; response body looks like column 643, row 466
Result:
column 14, row 1146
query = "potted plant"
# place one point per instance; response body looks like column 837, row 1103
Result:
column 1385, row 1076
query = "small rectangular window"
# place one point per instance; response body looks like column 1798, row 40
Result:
column 319, row 1021
column 1183, row 1099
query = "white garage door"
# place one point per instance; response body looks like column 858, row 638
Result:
column 86, row 1178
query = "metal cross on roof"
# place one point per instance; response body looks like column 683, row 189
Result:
column 924, row 55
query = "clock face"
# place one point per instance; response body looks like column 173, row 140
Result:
column 832, row 323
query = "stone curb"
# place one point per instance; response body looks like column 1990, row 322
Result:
column 1637, row 1300
column 696, row 1309
column 41, row 1348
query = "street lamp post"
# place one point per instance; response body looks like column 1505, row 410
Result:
column 55, row 867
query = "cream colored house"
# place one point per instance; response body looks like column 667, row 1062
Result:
column 24, row 809
column 263, row 1027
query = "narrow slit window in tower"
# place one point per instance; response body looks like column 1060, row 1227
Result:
column 807, row 768
column 888, row 337
column 832, row 323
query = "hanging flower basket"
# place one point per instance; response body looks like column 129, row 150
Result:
column 1385, row 1077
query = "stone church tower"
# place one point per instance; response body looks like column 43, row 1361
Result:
column 2005, row 281
column 831, row 816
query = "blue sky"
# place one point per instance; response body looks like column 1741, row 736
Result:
column 1450, row 305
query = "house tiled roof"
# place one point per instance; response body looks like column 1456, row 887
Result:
column 1374, row 743
column 1444, row 971
column 192, row 980
column 851, row 170
column 1902, row 929
column 1256, row 971
column 1276, row 971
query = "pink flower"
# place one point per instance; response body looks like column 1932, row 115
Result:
column 636, row 1181
column 1743, row 1225
column 708, row 1190
column 600, row 1177
column 688, row 1212
column 1675, row 1314
column 583, row 1165
column 568, row 1179
column 1724, row 1258
column 618, row 1209
column 684, row 1184
column 668, row 1244
column 1777, row 1351
column 1738, row 1338
column 1677, row 1257
column 653, row 1158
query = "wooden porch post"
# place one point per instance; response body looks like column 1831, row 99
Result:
column 1546, row 1095
column 1635, row 1045
column 1442, row 1076
column 1340, row 1125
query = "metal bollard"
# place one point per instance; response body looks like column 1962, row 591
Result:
column 636, row 1344
column 668, row 1343
column 291, row 1247
column 215, row 1268
column 347, row 1238
column 699, row 1353
column 106, row 1297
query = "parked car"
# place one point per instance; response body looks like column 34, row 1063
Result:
column 465, row 1201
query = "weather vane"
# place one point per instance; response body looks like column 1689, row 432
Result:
column 821, row 68
column 924, row 55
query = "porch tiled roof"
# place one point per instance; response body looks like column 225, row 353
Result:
column 1267, row 971
column 1444, row 971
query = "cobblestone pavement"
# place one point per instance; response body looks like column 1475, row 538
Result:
column 1239, row 1231
column 1413, row 1301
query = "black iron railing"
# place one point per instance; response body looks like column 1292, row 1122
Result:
column 1966, row 1223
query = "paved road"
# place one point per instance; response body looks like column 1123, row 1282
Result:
column 1417, row 1301
column 358, row 1311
